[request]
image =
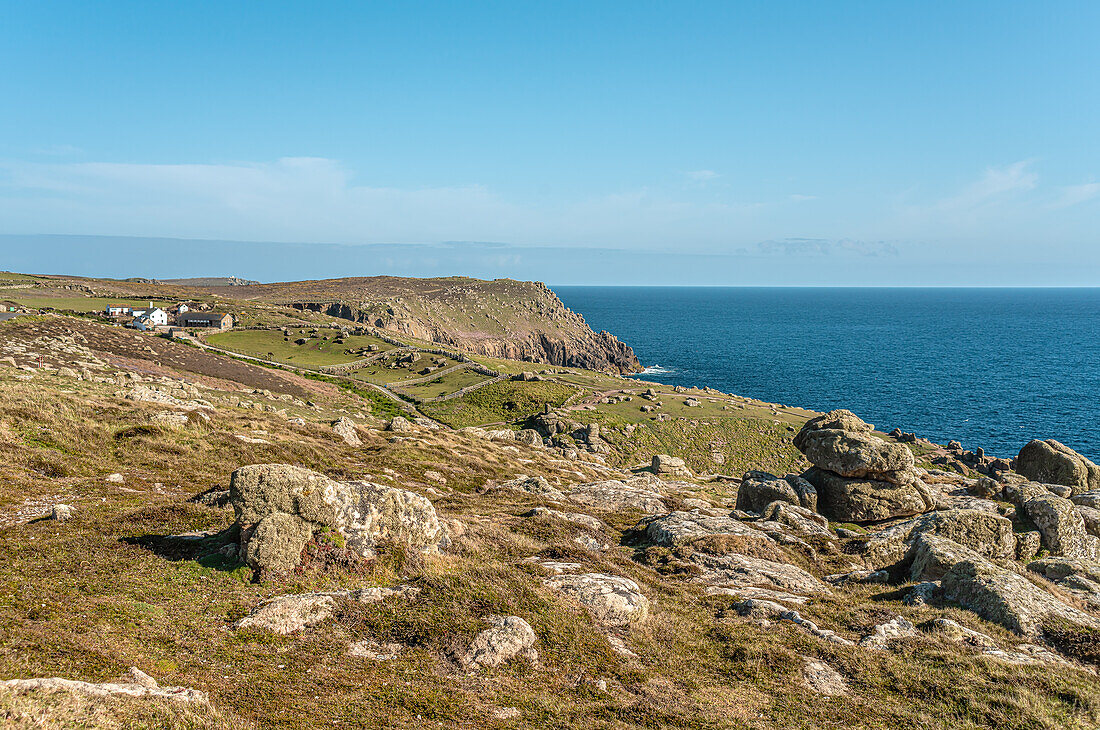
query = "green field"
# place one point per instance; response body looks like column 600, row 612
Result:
column 505, row 402
column 448, row 383
column 380, row 371
column 74, row 304
column 316, row 353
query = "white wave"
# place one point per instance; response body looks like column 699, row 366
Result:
column 656, row 370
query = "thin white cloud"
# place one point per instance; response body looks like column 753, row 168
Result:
column 702, row 175
column 996, row 185
column 1071, row 195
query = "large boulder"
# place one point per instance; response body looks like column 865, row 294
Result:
column 994, row 593
column 742, row 571
column 279, row 507
column 344, row 427
column 678, row 528
column 1062, row 527
column 642, row 493
column 759, row 489
column 859, row 477
column 854, row 455
column 988, row 534
column 1051, row 462
column 868, row 500
column 289, row 613
column 672, row 466
column 613, row 601
column 507, row 638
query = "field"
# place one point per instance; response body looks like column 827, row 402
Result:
column 505, row 402
column 317, row 352
column 75, row 304
column 448, row 383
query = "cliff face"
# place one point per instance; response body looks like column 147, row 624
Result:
column 503, row 318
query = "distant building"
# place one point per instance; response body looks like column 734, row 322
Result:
column 118, row 311
column 205, row 319
column 155, row 317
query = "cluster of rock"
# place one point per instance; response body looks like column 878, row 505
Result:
column 279, row 508
column 858, row 476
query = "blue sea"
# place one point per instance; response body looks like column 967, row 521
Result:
column 988, row 367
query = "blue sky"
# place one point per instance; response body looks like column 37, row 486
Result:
column 778, row 142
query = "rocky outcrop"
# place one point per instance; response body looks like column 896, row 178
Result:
column 1050, row 462
column 613, row 601
column 507, row 638
column 501, row 319
column 986, row 533
column 1062, row 527
column 279, row 507
column 639, row 493
column 859, row 477
column 134, row 683
column 671, row 466
column 742, row 571
column 344, row 427
column 678, row 528
column 759, row 489
column 996, row 594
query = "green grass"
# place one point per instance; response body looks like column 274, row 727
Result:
column 76, row 304
column 504, row 402
column 448, row 383
column 316, row 353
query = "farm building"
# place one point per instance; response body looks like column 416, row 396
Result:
column 205, row 319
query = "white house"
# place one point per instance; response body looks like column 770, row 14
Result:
column 155, row 317
column 117, row 311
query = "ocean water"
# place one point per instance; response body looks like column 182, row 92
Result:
column 988, row 367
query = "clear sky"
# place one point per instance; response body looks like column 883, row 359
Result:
column 771, row 142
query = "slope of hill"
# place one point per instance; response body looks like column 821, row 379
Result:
column 501, row 318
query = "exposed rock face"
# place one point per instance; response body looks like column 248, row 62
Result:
column 1062, row 527
column 759, row 489
column 279, row 507
column 678, row 528
column 134, row 683
column 858, row 476
column 399, row 424
column 62, row 512
column 672, row 466
column 507, row 638
column 896, row 628
column 823, row 679
column 986, row 533
column 640, row 493
column 994, row 593
column 614, row 601
column 867, row 500
column 527, row 322
column 742, row 571
column 287, row 614
column 1051, row 462
column 344, row 427
column 532, row 485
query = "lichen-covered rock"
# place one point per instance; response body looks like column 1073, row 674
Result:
column 1062, row 527
column 62, row 512
column 672, row 466
column 290, row 613
column 994, row 593
column 532, row 485
column 639, row 493
column 854, row 455
column 399, row 424
column 740, row 571
column 276, row 542
column 1051, row 462
column 1087, row 499
column 529, row 437
column 344, row 427
column 867, row 500
column 823, row 679
column 614, row 601
column 279, row 507
column 882, row 634
column 1028, row 545
column 579, row 518
column 797, row 518
column 507, row 638
column 987, row 533
column 678, row 528
column 759, row 489
column 134, row 683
